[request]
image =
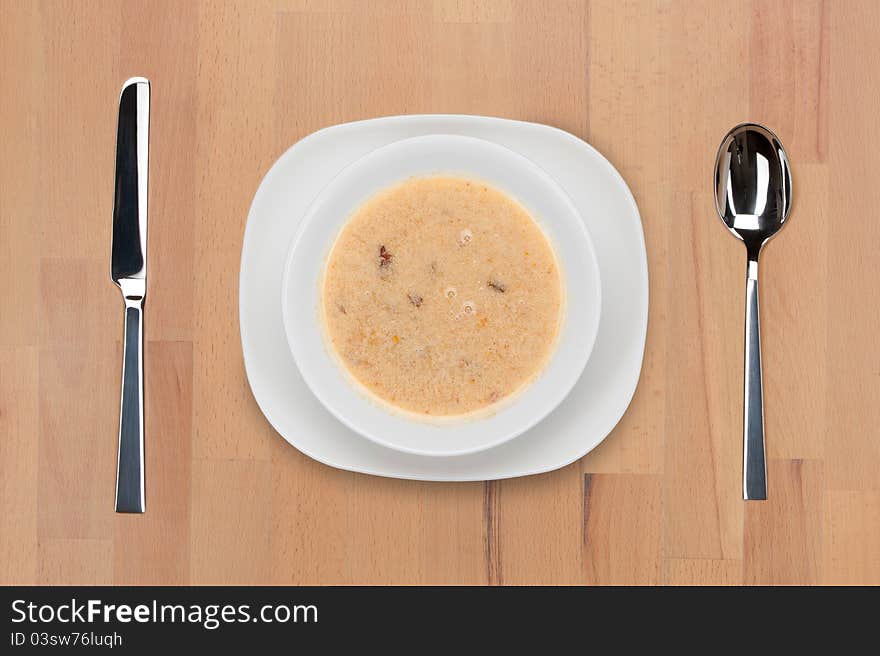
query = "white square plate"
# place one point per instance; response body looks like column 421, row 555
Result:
column 584, row 418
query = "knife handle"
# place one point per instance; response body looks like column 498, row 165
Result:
column 130, row 466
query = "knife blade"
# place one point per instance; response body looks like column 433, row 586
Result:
column 128, row 269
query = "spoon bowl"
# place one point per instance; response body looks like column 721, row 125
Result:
column 753, row 199
column 752, row 184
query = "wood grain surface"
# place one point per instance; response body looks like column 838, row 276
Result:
column 653, row 84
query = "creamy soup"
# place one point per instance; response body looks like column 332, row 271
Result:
column 442, row 296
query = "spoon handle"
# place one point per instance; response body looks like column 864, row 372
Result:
column 754, row 464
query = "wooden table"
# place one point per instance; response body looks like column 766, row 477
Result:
column 653, row 85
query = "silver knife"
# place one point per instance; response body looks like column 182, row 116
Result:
column 128, row 269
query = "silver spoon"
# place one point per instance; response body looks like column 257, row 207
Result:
column 753, row 198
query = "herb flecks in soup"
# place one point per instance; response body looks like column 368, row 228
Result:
column 442, row 296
